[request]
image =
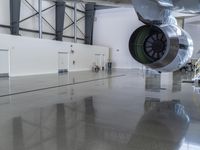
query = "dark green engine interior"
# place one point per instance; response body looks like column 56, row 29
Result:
column 147, row 44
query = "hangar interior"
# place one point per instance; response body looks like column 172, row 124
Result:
column 69, row 80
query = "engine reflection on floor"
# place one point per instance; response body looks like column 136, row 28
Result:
column 166, row 122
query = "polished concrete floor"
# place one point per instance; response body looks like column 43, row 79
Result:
column 122, row 110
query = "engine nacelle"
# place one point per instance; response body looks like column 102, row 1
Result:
column 164, row 48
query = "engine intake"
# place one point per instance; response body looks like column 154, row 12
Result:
column 163, row 48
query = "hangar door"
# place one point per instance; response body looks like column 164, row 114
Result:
column 4, row 63
column 63, row 60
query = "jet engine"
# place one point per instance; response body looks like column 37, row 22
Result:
column 160, row 44
column 164, row 48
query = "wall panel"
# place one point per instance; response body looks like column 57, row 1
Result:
column 30, row 56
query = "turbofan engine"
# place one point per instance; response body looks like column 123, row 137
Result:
column 161, row 47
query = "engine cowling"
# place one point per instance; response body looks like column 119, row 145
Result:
column 164, row 48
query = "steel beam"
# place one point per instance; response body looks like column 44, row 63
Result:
column 36, row 31
column 38, row 13
column 60, row 18
column 40, row 18
column 89, row 22
column 75, row 22
column 72, row 8
column 14, row 16
column 35, row 14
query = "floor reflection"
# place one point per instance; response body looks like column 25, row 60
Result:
column 150, row 112
column 18, row 138
column 153, row 82
column 176, row 87
column 61, row 127
column 163, row 124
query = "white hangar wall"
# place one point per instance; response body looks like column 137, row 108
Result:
column 113, row 28
column 192, row 26
column 31, row 56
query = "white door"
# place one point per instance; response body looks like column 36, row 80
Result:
column 62, row 62
column 4, row 63
column 102, row 61
column 98, row 59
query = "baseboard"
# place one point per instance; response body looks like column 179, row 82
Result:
column 2, row 75
column 127, row 68
column 80, row 70
column 33, row 74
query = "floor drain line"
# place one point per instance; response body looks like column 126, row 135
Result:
column 58, row 86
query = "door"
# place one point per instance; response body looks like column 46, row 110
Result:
column 63, row 62
column 98, row 60
column 4, row 63
column 102, row 61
